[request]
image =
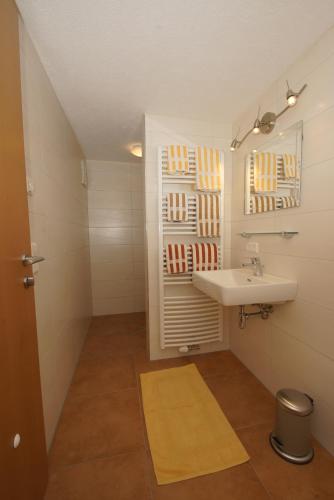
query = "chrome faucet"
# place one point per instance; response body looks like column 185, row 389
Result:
column 256, row 264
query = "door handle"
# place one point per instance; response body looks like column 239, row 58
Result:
column 29, row 260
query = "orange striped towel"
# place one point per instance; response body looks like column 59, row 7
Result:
column 177, row 160
column 208, row 215
column 289, row 202
column 209, row 169
column 262, row 204
column 176, row 258
column 177, row 207
column 265, row 172
column 289, row 166
column 204, row 256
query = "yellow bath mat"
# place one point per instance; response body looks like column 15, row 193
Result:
column 189, row 434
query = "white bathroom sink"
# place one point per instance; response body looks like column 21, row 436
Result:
column 232, row 287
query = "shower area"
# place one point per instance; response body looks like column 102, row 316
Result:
column 116, row 235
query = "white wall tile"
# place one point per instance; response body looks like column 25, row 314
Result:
column 109, row 199
column 116, row 254
column 111, row 235
column 101, row 217
column 137, row 200
column 113, row 270
column 108, row 289
column 118, row 305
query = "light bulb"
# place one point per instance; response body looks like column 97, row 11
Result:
column 291, row 96
column 292, row 99
column 234, row 144
column 256, row 126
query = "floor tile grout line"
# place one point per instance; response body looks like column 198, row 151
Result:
column 259, row 479
column 58, row 467
column 107, row 355
column 250, row 458
column 98, row 394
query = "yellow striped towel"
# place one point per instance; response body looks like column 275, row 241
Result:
column 209, row 169
column 265, row 172
column 177, row 160
column 289, row 166
column 208, row 215
column 177, row 207
column 261, row 204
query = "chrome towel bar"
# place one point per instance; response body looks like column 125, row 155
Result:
column 283, row 234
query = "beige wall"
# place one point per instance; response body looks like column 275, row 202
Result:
column 160, row 131
column 58, row 220
column 295, row 347
column 116, row 236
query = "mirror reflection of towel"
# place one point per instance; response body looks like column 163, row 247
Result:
column 265, row 172
column 289, row 166
column 289, row 202
column 262, row 203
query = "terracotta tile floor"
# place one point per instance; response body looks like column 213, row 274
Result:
column 100, row 451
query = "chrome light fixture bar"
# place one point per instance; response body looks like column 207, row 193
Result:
column 268, row 120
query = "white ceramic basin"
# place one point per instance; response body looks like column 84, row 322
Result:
column 232, row 287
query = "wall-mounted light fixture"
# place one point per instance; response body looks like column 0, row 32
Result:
column 268, row 120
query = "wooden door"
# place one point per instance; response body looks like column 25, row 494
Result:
column 23, row 470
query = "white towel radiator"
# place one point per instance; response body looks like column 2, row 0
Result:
column 188, row 318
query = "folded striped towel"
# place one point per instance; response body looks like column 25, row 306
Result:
column 177, row 160
column 177, row 207
column 204, row 256
column 176, row 258
column 209, row 169
column 262, row 204
column 289, row 202
column 265, row 172
column 289, row 166
column 208, row 215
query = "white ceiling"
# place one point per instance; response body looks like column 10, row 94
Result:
column 110, row 61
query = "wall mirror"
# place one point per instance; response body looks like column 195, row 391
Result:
column 273, row 172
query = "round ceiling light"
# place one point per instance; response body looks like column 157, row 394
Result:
column 136, row 150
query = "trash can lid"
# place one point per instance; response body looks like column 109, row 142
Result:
column 295, row 401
